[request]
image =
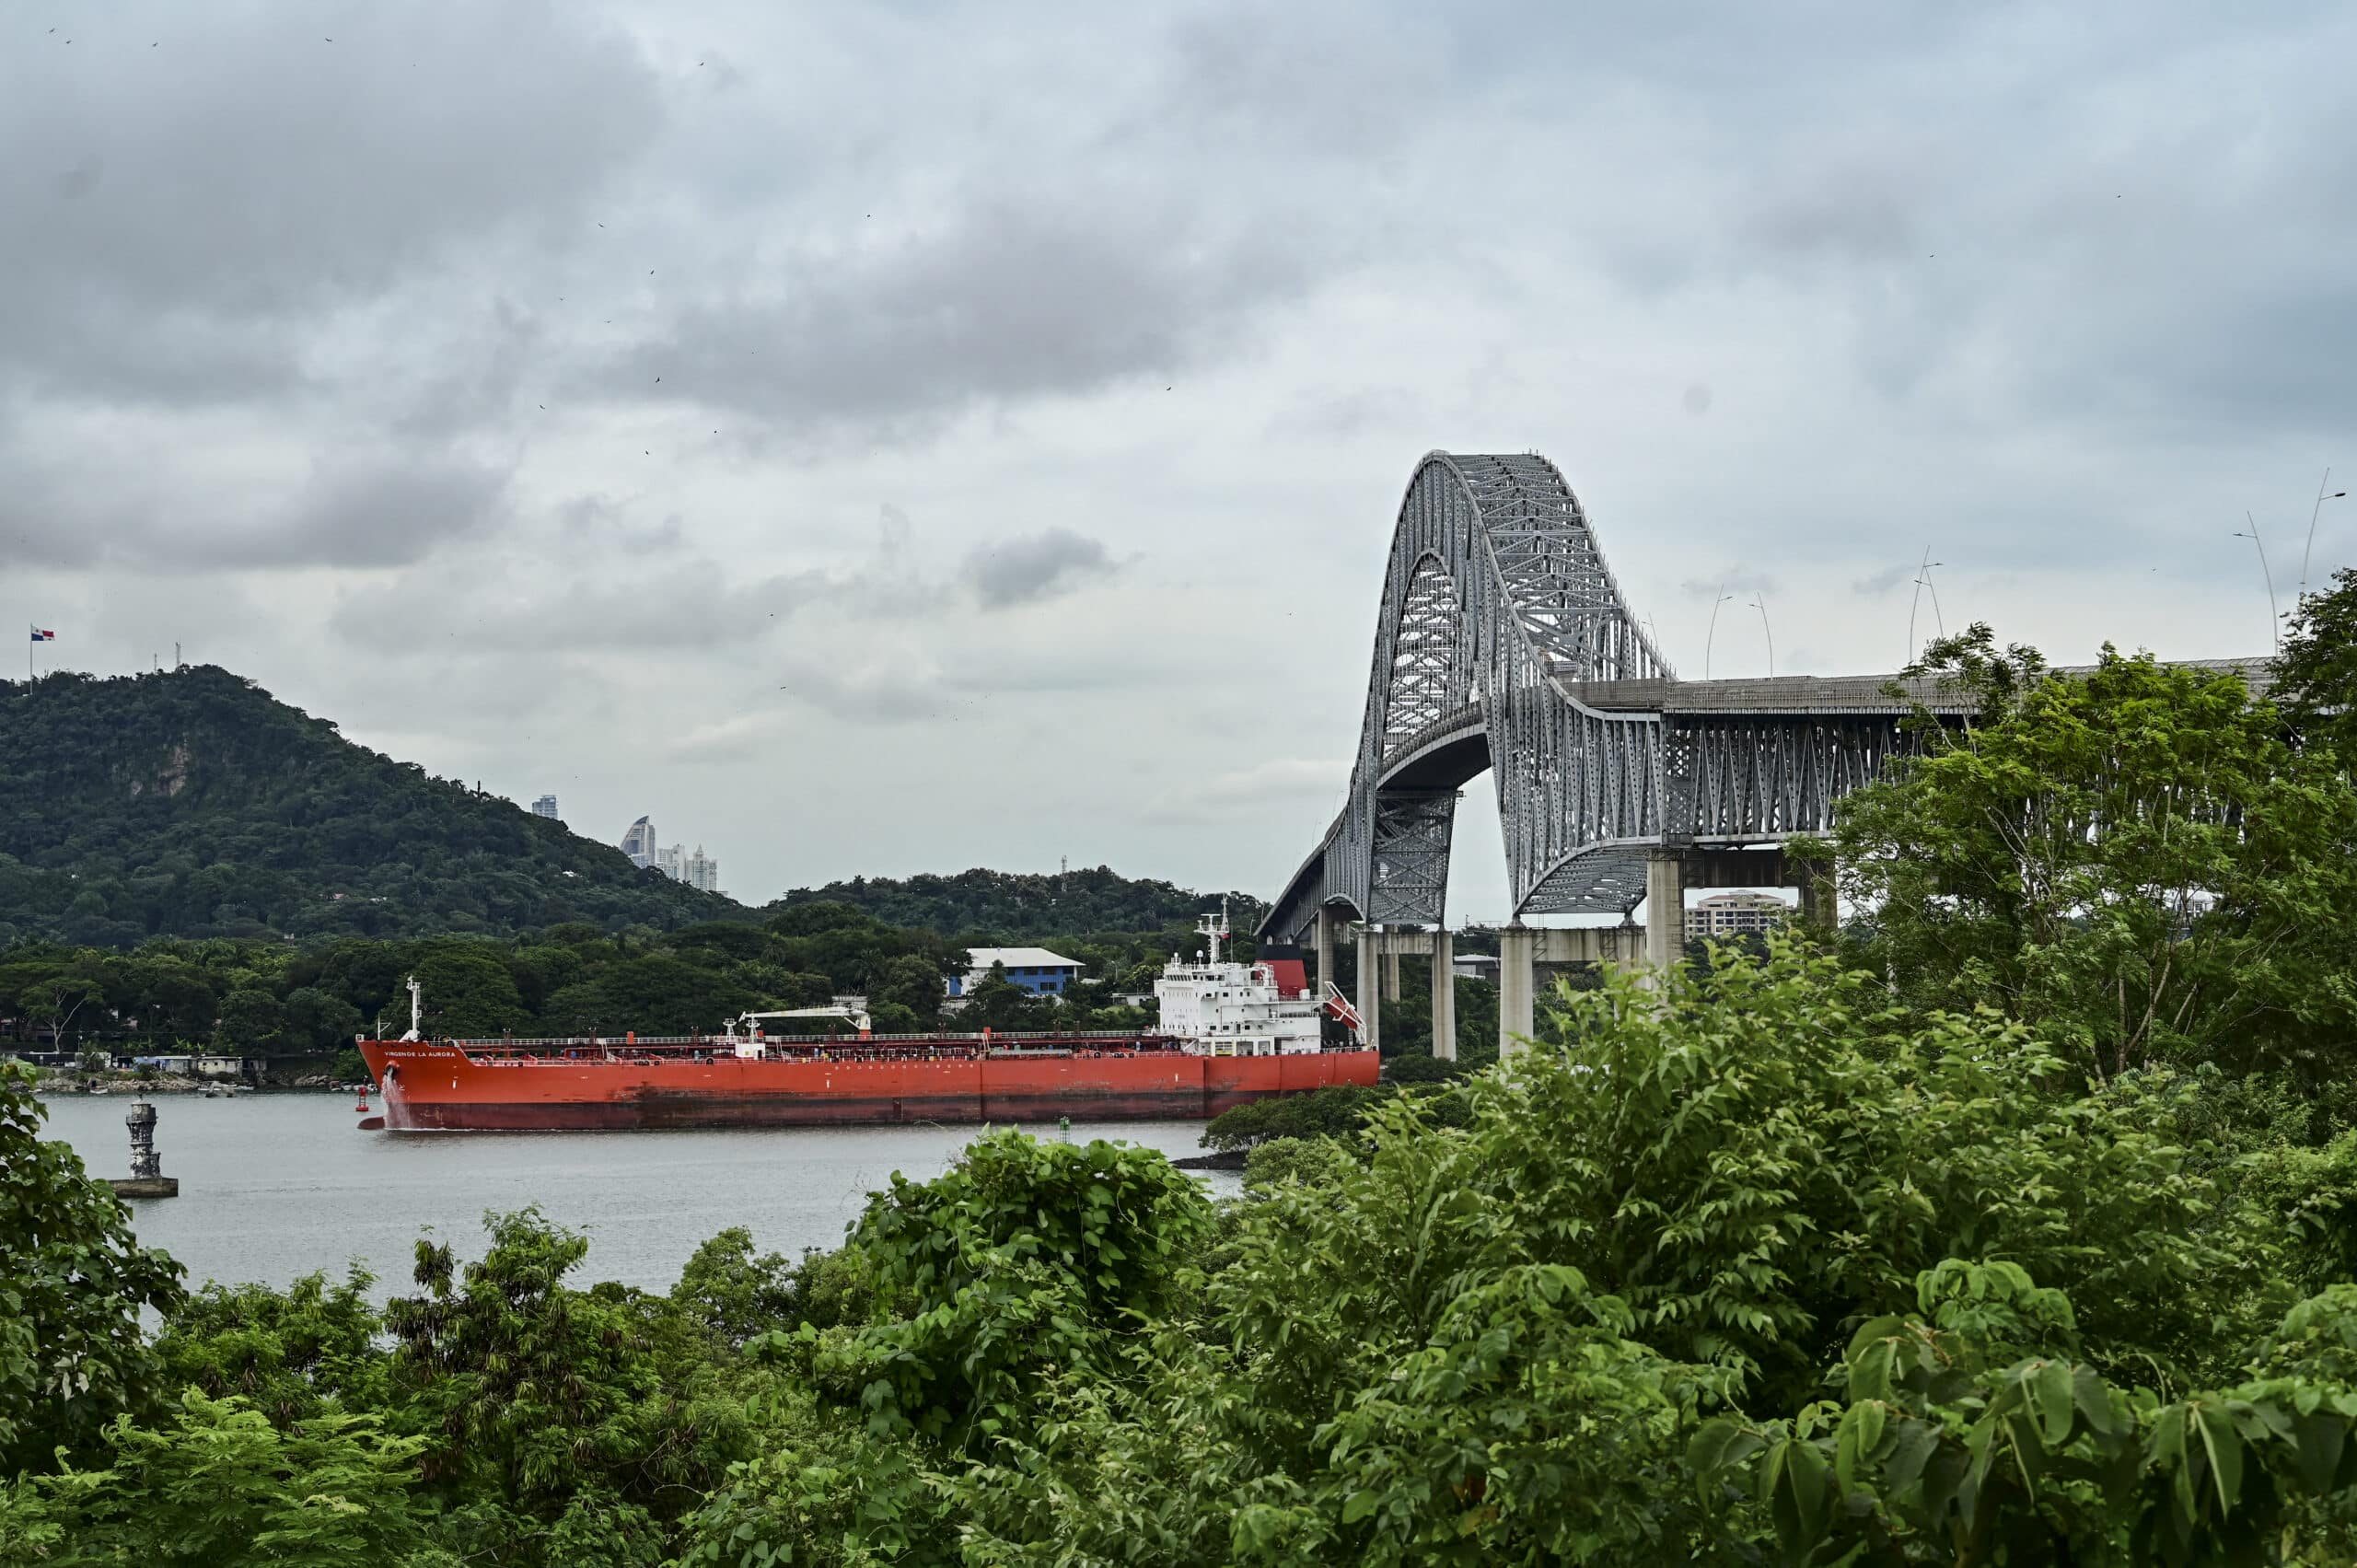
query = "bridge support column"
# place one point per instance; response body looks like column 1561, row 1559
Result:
column 1517, row 965
column 1390, row 972
column 1370, row 987
column 1325, row 939
column 1819, row 905
column 1444, row 994
column 1665, row 912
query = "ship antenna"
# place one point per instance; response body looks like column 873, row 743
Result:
column 416, row 1008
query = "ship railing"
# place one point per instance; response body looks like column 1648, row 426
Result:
column 540, row 1047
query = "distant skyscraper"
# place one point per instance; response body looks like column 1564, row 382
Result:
column 639, row 843
column 701, row 870
column 545, row 806
column 667, row 861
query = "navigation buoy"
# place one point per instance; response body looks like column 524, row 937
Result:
column 363, row 1107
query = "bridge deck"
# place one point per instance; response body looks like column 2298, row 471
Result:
column 1848, row 695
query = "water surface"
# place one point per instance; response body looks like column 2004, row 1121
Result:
column 275, row 1185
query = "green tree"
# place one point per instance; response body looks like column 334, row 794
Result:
column 997, row 1003
column 570, row 1424
column 319, row 1020
column 469, row 993
column 1971, row 1433
column 1497, row 1343
column 290, row 1354
column 218, row 1483
column 2133, row 861
column 913, row 983
column 251, row 1021
column 2316, row 669
column 73, row 1283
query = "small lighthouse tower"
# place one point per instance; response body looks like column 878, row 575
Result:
column 147, row 1178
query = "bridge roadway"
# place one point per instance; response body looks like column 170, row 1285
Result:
column 1502, row 643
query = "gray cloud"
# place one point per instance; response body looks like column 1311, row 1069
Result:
column 363, row 508
column 377, row 324
column 1038, row 566
column 258, row 180
column 1032, row 293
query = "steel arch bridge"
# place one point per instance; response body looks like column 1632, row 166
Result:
column 1505, row 643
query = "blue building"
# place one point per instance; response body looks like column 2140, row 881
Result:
column 1035, row 970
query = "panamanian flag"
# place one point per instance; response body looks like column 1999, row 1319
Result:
column 41, row 636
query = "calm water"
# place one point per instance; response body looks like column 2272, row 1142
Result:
column 275, row 1186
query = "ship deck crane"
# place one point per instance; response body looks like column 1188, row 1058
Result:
column 749, row 1043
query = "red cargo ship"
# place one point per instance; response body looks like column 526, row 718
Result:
column 1230, row 1033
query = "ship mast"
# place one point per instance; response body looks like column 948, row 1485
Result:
column 1214, row 929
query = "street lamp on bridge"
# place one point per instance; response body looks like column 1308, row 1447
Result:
column 1713, row 632
column 2321, row 499
column 2274, row 620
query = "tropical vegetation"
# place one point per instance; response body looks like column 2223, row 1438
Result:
column 190, row 802
column 2014, row 1224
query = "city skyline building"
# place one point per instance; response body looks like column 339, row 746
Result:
column 545, row 806
column 1730, row 914
column 639, row 843
column 695, row 867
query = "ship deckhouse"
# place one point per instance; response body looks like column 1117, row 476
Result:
column 1219, row 1009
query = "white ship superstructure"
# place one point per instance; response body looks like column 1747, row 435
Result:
column 1223, row 1008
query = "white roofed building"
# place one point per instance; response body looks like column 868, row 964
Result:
column 1033, row 969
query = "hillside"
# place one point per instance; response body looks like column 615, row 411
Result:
column 194, row 803
column 1001, row 907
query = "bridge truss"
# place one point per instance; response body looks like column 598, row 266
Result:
column 1504, row 643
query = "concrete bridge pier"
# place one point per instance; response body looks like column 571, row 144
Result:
column 1665, row 914
column 1370, row 1001
column 1326, row 921
column 1444, row 994
column 1517, row 965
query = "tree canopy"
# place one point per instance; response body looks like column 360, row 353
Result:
column 190, row 802
column 2012, row 1224
column 997, row 908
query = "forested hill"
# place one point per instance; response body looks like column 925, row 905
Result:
column 194, row 803
column 1006, row 906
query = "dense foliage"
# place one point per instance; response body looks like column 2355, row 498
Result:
column 265, row 998
column 192, row 804
column 73, row 1283
column 268, row 999
column 1005, row 908
column 1760, row 1266
column 2139, row 862
column 2017, row 1225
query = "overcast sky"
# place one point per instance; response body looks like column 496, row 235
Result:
column 889, row 438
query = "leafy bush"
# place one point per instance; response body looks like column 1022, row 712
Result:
column 73, row 1283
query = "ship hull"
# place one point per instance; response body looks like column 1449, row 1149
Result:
column 430, row 1086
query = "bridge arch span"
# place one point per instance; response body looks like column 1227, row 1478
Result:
column 1496, row 590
